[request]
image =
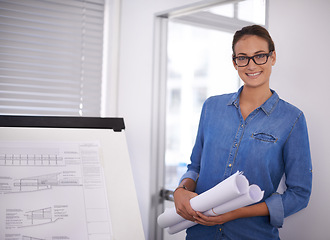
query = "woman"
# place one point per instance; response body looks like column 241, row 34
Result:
column 253, row 131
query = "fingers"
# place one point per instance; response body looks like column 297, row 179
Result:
column 185, row 215
column 207, row 221
column 202, row 219
column 186, row 212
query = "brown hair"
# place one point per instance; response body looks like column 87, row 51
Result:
column 255, row 30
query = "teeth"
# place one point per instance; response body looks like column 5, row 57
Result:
column 253, row 74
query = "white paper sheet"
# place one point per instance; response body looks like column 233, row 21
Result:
column 230, row 188
column 52, row 190
column 253, row 195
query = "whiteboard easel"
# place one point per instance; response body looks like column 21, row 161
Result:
column 123, row 205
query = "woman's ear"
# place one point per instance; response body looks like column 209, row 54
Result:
column 235, row 65
column 273, row 58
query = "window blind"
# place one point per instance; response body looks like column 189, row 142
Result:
column 51, row 57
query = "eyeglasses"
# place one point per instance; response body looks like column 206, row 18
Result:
column 259, row 59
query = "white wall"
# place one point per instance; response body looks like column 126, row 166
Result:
column 135, row 88
column 301, row 35
column 300, row 30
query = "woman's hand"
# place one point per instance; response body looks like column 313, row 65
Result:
column 213, row 220
column 259, row 209
column 182, row 203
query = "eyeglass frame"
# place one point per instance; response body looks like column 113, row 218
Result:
column 249, row 58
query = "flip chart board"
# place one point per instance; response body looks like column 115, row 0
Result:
column 66, row 178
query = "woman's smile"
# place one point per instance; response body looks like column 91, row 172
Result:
column 254, row 74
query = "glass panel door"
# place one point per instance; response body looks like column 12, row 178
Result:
column 199, row 66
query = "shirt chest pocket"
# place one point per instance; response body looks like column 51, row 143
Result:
column 265, row 137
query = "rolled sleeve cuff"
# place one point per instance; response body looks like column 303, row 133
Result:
column 276, row 210
column 189, row 174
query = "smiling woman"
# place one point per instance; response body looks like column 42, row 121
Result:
column 235, row 122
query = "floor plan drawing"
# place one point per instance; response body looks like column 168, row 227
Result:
column 40, row 216
column 55, row 190
column 26, row 157
column 47, row 181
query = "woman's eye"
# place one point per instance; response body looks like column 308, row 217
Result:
column 241, row 58
column 260, row 56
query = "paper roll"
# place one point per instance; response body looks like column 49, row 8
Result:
column 253, row 195
column 230, row 188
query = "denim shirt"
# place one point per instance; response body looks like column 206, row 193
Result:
column 270, row 142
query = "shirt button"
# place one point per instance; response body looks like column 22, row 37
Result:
column 220, row 229
column 230, row 165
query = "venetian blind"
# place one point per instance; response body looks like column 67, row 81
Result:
column 51, row 57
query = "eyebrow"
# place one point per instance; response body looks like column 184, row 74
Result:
column 258, row 52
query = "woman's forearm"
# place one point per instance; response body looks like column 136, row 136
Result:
column 189, row 184
column 255, row 210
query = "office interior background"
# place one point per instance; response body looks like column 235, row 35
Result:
column 154, row 63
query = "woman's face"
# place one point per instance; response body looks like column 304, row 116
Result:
column 254, row 75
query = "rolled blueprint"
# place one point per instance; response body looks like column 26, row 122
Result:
column 228, row 189
column 253, row 195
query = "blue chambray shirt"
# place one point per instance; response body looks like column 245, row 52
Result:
column 270, row 142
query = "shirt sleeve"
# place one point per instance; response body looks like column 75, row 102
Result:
column 190, row 174
column 195, row 158
column 276, row 211
column 298, row 172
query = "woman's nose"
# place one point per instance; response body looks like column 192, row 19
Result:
column 252, row 64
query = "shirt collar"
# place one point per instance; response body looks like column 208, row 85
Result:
column 234, row 100
column 267, row 106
